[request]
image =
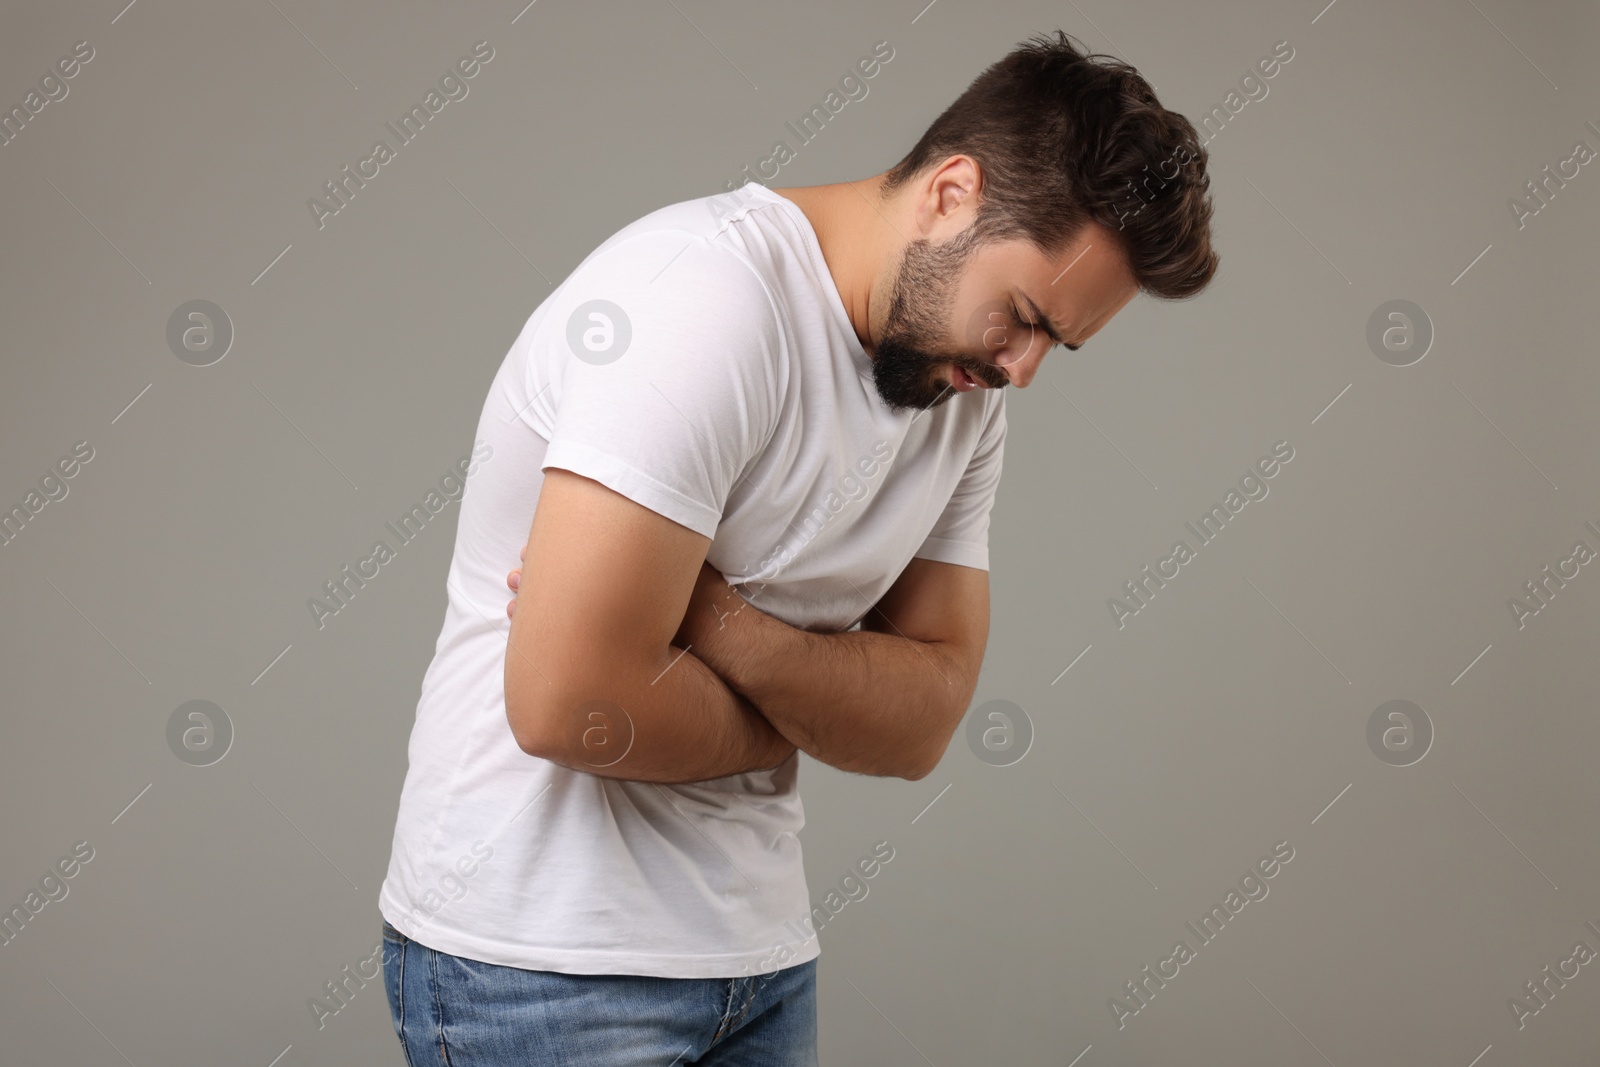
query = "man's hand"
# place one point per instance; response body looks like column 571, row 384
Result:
column 513, row 580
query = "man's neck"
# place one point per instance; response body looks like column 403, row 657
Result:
column 857, row 234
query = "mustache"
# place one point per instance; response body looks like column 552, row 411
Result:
column 982, row 372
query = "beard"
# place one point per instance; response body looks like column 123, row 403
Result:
column 911, row 348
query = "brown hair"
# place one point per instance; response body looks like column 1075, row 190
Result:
column 1065, row 136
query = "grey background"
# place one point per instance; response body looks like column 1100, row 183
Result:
column 1227, row 716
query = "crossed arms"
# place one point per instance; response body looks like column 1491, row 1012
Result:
column 630, row 657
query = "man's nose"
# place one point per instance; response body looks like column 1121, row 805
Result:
column 1020, row 358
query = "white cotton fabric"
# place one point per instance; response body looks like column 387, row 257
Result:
column 741, row 407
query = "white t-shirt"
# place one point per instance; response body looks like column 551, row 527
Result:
column 723, row 387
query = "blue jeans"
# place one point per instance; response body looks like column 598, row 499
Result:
column 449, row 1011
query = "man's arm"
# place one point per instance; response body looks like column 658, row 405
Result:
column 885, row 700
column 591, row 679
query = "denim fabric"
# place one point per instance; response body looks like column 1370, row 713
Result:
column 449, row 1011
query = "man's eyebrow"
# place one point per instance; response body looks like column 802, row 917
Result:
column 1044, row 320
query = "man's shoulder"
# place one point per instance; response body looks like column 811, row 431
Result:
column 672, row 293
column 708, row 218
column 672, row 259
column 664, row 296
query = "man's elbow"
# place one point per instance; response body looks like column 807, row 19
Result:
column 530, row 726
column 577, row 719
column 542, row 721
column 918, row 773
column 923, row 762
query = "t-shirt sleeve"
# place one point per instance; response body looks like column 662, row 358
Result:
column 675, row 420
column 961, row 535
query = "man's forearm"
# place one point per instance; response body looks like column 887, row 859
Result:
column 679, row 723
column 861, row 701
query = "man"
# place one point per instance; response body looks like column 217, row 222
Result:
column 800, row 392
